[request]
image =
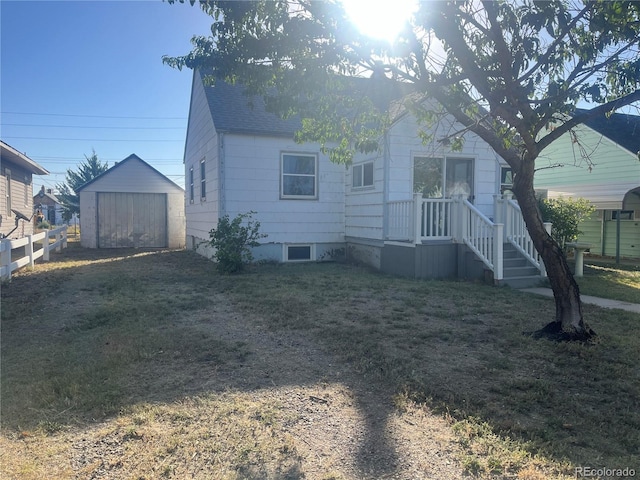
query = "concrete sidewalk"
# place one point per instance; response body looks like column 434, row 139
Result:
column 601, row 302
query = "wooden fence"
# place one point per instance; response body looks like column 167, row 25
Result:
column 31, row 254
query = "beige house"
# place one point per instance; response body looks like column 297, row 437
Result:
column 132, row 205
column 16, row 191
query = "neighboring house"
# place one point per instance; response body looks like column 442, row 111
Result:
column 48, row 205
column 599, row 162
column 131, row 205
column 399, row 210
column 16, row 191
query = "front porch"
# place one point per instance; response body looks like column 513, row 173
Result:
column 451, row 238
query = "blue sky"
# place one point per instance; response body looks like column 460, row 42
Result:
column 83, row 75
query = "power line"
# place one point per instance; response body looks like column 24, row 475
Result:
column 93, row 139
column 92, row 116
column 87, row 126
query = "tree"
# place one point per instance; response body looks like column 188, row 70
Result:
column 85, row 172
column 510, row 72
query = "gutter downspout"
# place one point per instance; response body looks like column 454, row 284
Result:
column 222, row 207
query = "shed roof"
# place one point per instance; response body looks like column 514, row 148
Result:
column 10, row 154
column 131, row 158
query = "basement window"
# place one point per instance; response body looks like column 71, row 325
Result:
column 298, row 253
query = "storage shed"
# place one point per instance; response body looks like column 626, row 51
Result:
column 132, row 205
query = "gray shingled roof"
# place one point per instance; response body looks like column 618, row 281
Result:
column 234, row 112
column 620, row 128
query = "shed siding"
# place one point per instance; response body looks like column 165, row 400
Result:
column 202, row 143
column 134, row 176
column 615, row 170
column 89, row 217
column 252, row 182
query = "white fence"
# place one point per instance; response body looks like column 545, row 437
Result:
column 7, row 265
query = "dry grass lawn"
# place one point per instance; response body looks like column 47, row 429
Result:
column 129, row 364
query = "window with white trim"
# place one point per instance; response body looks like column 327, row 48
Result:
column 203, row 181
column 438, row 177
column 362, row 175
column 506, row 180
column 191, row 186
column 7, row 175
column 299, row 176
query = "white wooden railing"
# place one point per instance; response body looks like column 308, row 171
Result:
column 458, row 220
column 508, row 212
column 7, row 265
column 481, row 235
column 401, row 218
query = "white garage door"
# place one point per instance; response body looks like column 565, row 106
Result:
column 132, row 220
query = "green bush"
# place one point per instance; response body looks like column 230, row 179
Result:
column 43, row 225
column 232, row 241
column 565, row 214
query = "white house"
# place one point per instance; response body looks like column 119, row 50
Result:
column 132, row 205
column 401, row 209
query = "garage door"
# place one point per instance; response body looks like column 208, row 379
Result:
column 132, row 220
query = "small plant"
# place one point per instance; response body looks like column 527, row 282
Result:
column 232, row 241
column 43, row 225
column 565, row 214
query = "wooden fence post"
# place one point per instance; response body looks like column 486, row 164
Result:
column 45, row 247
column 5, row 259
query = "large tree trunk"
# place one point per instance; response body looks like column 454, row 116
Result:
column 569, row 322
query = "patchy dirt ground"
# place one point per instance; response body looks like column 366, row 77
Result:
column 279, row 407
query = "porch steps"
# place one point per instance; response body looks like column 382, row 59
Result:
column 517, row 270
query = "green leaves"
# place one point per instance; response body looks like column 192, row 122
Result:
column 232, row 240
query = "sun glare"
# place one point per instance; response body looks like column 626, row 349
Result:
column 381, row 19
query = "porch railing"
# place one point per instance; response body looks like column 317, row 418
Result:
column 508, row 212
column 481, row 235
column 458, row 220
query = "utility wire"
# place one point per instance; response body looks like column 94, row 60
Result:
column 92, row 116
column 87, row 126
column 93, row 139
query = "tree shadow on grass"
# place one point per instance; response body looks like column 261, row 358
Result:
column 136, row 327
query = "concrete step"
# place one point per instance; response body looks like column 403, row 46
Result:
column 521, row 271
column 526, row 281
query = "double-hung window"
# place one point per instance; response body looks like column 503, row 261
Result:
column 299, row 176
column 203, row 181
column 362, row 175
column 191, row 186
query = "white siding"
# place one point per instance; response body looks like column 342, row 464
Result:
column 202, row 143
column 252, row 181
column 404, row 144
column 89, row 216
column 364, row 207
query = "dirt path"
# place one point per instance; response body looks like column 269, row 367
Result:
column 332, row 422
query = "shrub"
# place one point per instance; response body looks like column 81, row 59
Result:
column 232, row 241
column 565, row 214
column 43, row 225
